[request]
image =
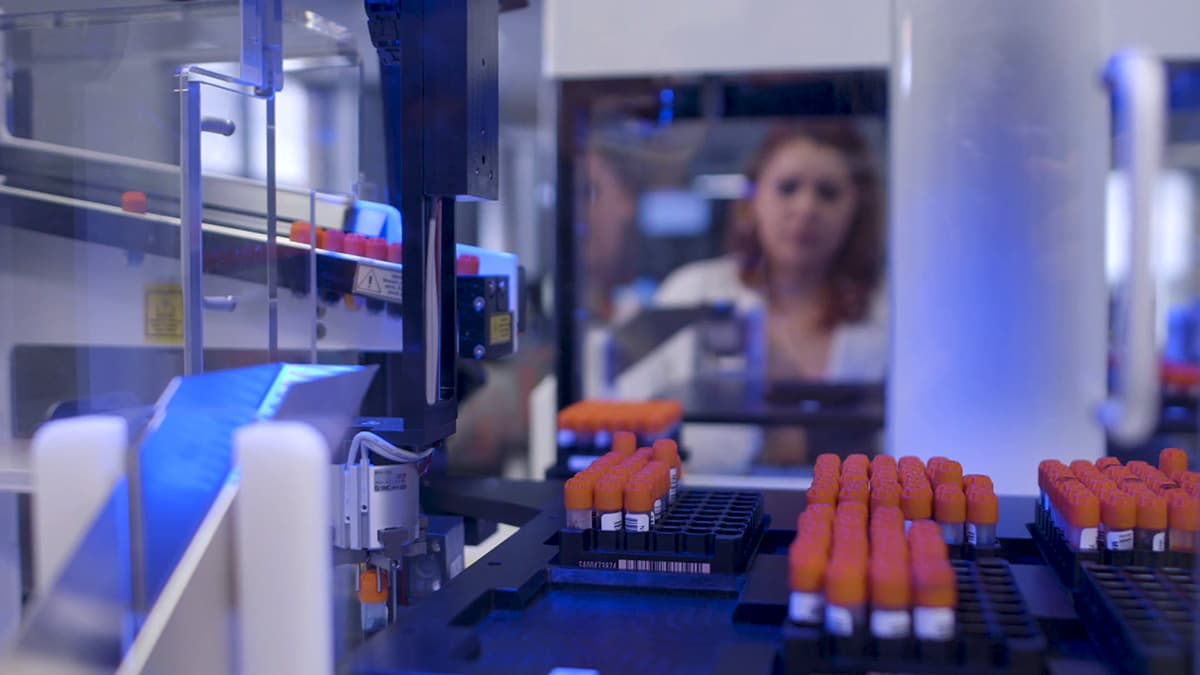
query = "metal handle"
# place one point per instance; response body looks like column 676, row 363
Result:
column 220, row 303
column 1137, row 83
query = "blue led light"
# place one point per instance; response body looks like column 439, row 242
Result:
column 666, row 113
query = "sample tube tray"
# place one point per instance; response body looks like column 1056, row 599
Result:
column 703, row 532
column 1067, row 563
column 1142, row 615
column 1059, row 557
column 995, row 633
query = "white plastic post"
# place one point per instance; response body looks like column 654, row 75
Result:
column 1000, row 141
column 283, row 557
column 76, row 463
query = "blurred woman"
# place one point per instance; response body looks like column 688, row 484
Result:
column 807, row 246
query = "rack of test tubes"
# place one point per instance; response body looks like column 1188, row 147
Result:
column 626, row 512
column 1117, row 514
column 965, row 507
column 873, row 585
column 1123, row 538
column 586, row 429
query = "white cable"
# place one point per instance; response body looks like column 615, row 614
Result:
column 377, row 444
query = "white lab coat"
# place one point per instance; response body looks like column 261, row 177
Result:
column 858, row 353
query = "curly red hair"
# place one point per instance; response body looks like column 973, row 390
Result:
column 857, row 268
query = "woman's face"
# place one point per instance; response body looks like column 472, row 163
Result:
column 803, row 206
column 609, row 211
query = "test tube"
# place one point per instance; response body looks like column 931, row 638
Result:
column 827, row 462
column 1189, row 481
column 916, row 501
column 1118, row 518
column 1082, row 520
column 822, row 494
column 948, row 472
column 609, row 500
column 908, row 462
column 373, row 599
column 884, row 468
column 1172, row 461
column 950, row 511
column 972, row 479
column 1049, row 470
column 624, row 444
column 854, row 490
column 884, row 494
column 845, row 595
column 856, row 464
column 1150, row 537
column 1183, row 519
column 638, row 504
column 983, row 512
column 806, row 564
column 577, row 499
column 925, row 541
column 935, row 593
column 660, row 474
column 667, row 450
column 1105, row 462
column 891, row 595
column 855, row 511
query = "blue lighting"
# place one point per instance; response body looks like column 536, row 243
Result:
column 666, row 113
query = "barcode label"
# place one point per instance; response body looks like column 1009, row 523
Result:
column 1087, row 539
column 672, row 566
column 1118, row 540
column 1159, row 543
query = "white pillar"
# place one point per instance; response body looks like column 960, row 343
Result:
column 284, row 560
column 76, row 464
column 1000, row 148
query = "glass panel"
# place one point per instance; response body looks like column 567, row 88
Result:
column 730, row 254
column 91, row 304
column 1177, row 283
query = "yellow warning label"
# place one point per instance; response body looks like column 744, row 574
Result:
column 164, row 314
column 501, row 329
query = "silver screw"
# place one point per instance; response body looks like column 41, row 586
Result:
column 479, row 351
column 478, row 304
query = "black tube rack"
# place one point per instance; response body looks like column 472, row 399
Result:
column 994, row 633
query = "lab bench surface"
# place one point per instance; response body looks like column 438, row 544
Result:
column 509, row 613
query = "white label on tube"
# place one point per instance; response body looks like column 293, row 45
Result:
column 580, row 519
column 805, row 607
column 839, row 621
column 890, row 623
column 933, row 623
column 637, row 522
column 1159, row 542
column 1088, row 539
column 674, row 482
column 1118, row 540
column 658, row 508
column 612, row 521
column 972, row 534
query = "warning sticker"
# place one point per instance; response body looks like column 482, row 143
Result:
column 378, row 283
column 163, row 322
column 501, row 329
